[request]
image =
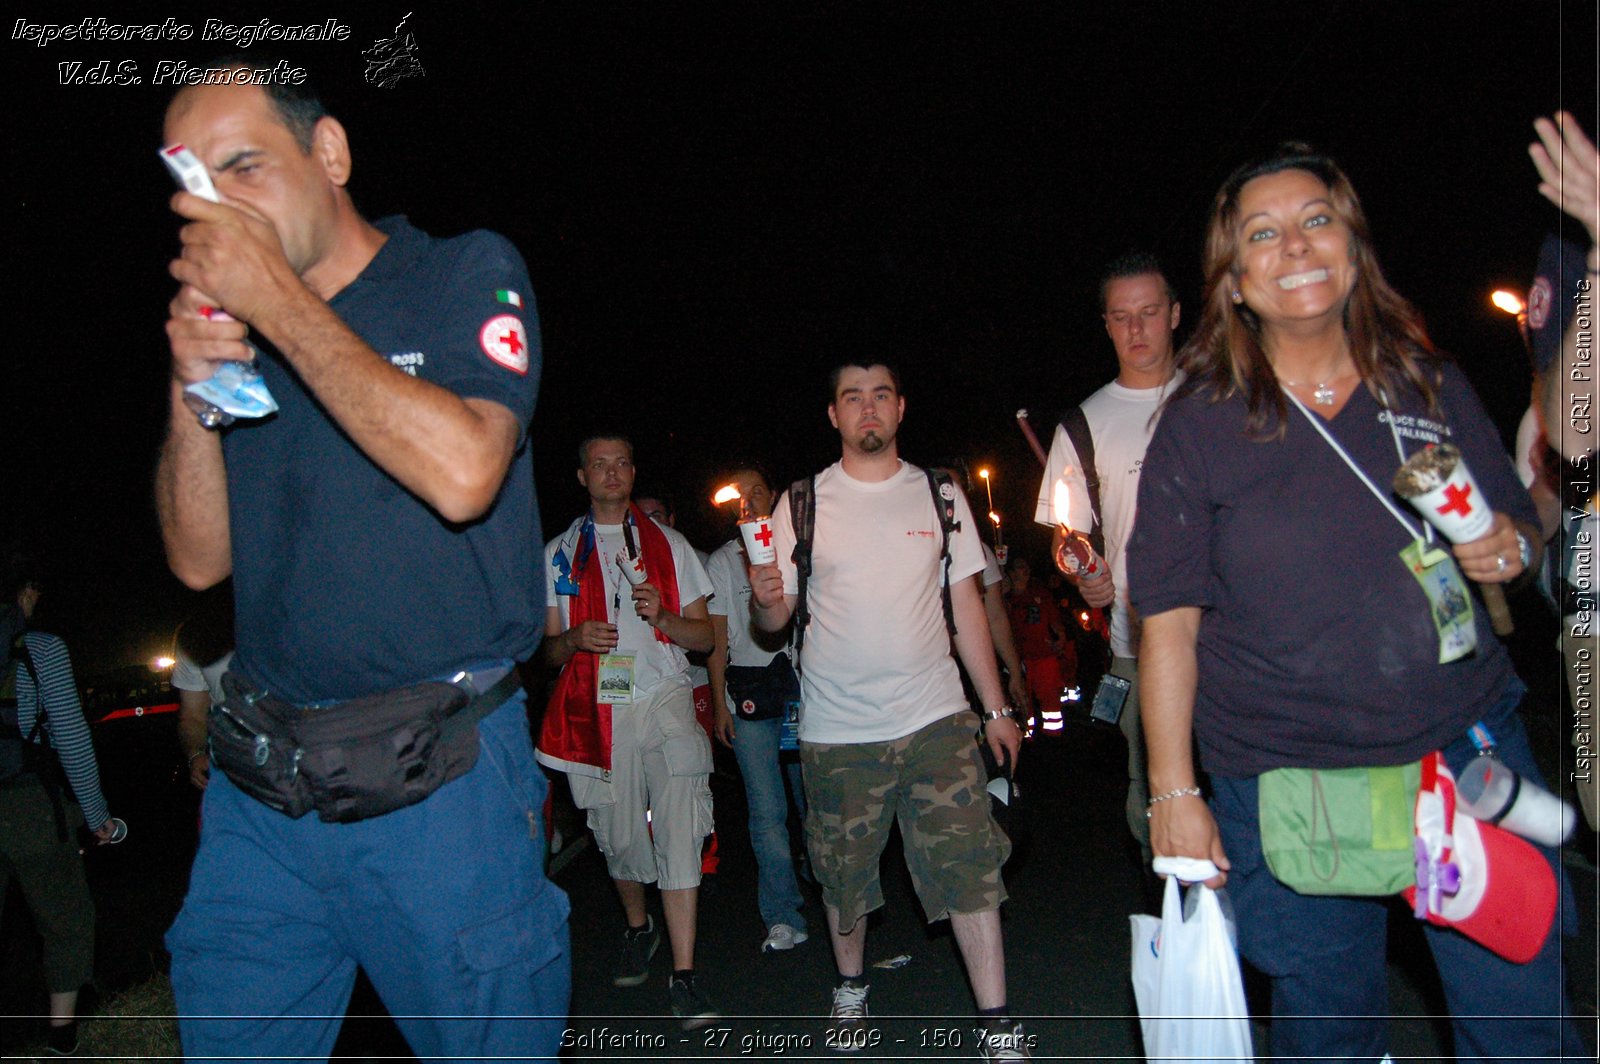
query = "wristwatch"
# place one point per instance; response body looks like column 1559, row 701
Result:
column 1010, row 712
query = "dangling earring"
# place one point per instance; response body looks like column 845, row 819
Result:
column 1237, row 298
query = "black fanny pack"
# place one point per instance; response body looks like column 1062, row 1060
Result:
column 762, row 692
column 353, row 760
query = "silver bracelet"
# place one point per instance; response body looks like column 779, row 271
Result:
column 1181, row 792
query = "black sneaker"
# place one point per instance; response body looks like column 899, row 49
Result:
column 691, row 1005
column 1005, row 1043
column 63, row 1041
column 633, row 962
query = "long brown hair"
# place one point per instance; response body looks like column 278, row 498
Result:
column 1390, row 347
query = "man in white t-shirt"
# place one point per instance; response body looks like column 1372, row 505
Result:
column 1141, row 315
column 886, row 733
column 620, row 722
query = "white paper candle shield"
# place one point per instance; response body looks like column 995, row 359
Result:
column 758, row 541
column 632, row 569
column 1439, row 485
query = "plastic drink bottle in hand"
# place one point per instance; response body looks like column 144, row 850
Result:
column 236, row 389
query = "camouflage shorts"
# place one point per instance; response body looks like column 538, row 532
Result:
column 932, row 782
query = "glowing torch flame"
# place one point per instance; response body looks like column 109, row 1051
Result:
column 1507, row 301
column 725, row 494
column 1063, row 503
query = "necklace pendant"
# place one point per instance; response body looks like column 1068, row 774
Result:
column 1323, row 396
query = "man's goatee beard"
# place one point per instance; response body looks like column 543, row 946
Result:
column 871, row 443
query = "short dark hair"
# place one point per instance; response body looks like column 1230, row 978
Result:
column 298, row 106
column 838, row 371
column 750, row 465
column 21, row 571
column 1133, row 264
column 659, row 495
column 583, row 448
column 207, row 633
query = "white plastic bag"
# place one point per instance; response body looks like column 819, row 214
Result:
column 1186, row 981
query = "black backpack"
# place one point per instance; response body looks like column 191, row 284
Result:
column 28, row 758
column 15, row 755
column 803, row 515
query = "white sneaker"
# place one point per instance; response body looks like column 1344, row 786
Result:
column 781, row 937
column 847, row 1018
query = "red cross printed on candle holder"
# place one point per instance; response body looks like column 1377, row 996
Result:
column 1457, row 496
column 764, row 535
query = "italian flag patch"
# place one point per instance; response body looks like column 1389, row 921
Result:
column 506, row 295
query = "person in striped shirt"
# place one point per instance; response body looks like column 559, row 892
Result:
column 39, row 820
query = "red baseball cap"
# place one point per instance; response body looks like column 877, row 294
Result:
column 1506, row 897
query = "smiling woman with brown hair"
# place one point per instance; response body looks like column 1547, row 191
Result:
column 1292, row 605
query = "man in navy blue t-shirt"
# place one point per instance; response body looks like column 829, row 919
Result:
column 381, row 531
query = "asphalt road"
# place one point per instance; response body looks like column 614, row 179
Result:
column 1073, row 884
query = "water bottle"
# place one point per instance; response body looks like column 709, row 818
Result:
column 1490, row 791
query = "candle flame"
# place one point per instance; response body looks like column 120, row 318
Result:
column 1507, row 301
column 725, row 494
column 1062, row 500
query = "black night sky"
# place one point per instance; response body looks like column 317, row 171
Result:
column 718, row 202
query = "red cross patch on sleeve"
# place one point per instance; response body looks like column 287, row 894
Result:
column 505, row 341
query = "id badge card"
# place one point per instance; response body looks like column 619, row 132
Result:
column 789, row 730
column 1448, row 599
column 616, row 680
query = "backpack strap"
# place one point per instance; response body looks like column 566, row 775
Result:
column 1076, row 426
column 37, row 753
column 803, row 516
column 944, row 501
column 19, row 657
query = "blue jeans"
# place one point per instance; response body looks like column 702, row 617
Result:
column 1326, row 955
column 755, row 744
column 443, row 903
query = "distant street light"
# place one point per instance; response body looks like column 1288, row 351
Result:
column 988, row 488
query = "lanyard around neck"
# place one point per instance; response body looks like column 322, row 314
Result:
column 1381, row 496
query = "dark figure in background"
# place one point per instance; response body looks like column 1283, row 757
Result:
column 49, row 788
column 749, row 719
column 1563, row 343
column 203, row 648
column 381, row 531
column 1049, row 657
